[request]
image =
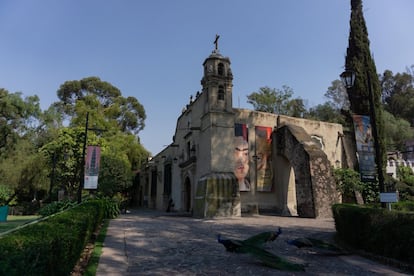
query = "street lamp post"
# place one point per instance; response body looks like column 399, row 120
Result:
column 82, row 176
column 348, row 78
column 85, row 140
column 53, row 175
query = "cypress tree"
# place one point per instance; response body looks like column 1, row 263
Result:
column 359, row 60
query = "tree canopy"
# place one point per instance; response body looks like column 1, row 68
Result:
column 398, row 93
column 39, row 155
column 278, row 101
column 96, row 96
column 17, row 115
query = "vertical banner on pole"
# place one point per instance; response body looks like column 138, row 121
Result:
column 365, row 147
column 264, row 171
column 92, row 162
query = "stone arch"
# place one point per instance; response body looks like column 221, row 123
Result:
column 314, row 183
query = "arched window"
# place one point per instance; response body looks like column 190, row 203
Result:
column 220, row 69
column 318, row 141
column 220, row 93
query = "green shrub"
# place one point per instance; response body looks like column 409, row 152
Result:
column 407, row 206
column 5, row 194
column 51, row 246
column 55, row 207
column 111, row 206
column 376, row 230
column 405, row 185
column 349, row 181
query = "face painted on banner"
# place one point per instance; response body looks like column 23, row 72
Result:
column 241, row 162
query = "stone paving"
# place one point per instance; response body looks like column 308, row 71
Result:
column 147, row 242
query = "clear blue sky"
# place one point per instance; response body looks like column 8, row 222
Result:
column 154, row 49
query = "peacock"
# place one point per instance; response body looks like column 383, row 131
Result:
column 318, row 246
column 254, row 247
column 264, row 237
column 230, row 245
column 257, row 240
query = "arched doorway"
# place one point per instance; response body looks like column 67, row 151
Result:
column 286, row 186
column 187, row 195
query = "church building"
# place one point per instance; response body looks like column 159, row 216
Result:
column 225, row 161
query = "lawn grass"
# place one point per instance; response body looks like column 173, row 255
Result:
column 15, row 221
column 97, row 251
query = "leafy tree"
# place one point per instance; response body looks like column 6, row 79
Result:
column 120, row 159
column 405, row 185
column 296, row 108
column 115, row 175
column 105, row 103
column 129, row 146
column 335, row 109
column 398, row 94
column 396, row 132
column 23, row 171
column 21, row 166
column 113, row 123
column 65, row 155
column 121, row 150
column 359, row 60
column 17, row 116
column 277, row 101
column 326, row 112
column 337, row 95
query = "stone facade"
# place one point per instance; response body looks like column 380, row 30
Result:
column 196, row 172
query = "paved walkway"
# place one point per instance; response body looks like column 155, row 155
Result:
column 147, row 242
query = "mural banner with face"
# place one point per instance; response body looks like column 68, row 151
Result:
column 241, row 156
column 365, row 147
column 264, row 171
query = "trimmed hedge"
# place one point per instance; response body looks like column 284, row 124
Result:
column 51, row 246
column 379, row 231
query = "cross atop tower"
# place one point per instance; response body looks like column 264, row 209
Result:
column 216, row 42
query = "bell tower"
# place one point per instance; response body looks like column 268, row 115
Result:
column 217, row 81
column 217, row 191
column 217, row 115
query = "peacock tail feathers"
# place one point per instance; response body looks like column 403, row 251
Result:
column 300, row 242
column 318, row 246
column 324, row 244
column 254, row 247
column 271, row 260
column 263, row 237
